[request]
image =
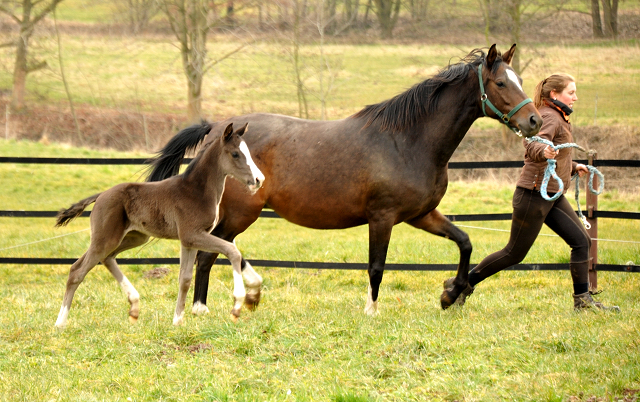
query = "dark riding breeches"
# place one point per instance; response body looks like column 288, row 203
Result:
column 530, row 211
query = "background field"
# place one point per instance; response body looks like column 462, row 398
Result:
column 517, row 338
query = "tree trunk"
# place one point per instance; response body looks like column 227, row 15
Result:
column 20, row 74
column 387, row 12
column 610, row 11
column 596, row 23
column 514, row 10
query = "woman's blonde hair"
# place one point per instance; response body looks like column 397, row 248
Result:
column 554, row 82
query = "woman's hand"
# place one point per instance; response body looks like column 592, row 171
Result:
column 581, row 169
column 551, row 153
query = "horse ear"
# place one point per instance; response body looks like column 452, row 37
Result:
column 242, row 130
column 509, row 54
column 491, row 56
column 228, row 132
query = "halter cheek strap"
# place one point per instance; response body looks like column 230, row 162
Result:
column 504, row 118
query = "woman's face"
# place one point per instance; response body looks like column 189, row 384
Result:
column 568, row 95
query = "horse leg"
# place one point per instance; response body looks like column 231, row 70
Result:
column 438, row 224
column 254, row 285
column 78, row 271
column 243, row 212
column 131, row 240
column 187, row 258
column 379, row 237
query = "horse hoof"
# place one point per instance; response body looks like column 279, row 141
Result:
column 446, row 299
column 234, row 318
column 199, row 308
column 133, row 319
column 252, row 301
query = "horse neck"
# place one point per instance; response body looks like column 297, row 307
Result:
column 206, row 175
column 452, row 118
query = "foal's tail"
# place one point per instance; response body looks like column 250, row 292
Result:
column 67, row 215
column 168, row 160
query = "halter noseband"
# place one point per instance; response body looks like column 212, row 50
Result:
column 504, row 118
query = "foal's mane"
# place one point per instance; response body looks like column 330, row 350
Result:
column 404, row 110
column 194, row 162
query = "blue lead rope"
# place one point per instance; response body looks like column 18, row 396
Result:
column 550, row 172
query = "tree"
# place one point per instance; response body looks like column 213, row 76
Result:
column 137, row 13
column 387, row 12
column 190, row 23
column 610, row 13
column 27, row 14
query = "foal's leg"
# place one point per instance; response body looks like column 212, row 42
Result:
column 438, row 224
column 254, row 285
column 187, row 258
column 131, row 240
column 78, row 271
column 212, row 244
column 237, row 212
column 379, row 237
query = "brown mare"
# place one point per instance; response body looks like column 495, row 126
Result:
column 384, row 165
column 183, row 207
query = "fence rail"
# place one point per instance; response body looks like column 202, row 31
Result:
column 593, row 214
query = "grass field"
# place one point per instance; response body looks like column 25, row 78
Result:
column 516, row 339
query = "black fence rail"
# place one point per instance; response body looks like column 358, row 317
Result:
column 318, row 265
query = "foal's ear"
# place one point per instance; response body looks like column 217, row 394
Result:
column 228, row 132
column 491, row 56
column 509, row 54
column 242, row 130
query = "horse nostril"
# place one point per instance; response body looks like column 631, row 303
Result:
column 257, row 182
column 535, row 121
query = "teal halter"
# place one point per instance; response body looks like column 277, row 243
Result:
column 504, row 118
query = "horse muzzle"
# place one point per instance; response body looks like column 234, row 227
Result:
column 255, row 184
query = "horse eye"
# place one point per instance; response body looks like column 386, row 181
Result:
column 235, row 155
column 501, row 84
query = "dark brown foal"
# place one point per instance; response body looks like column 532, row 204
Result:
column 183, row 207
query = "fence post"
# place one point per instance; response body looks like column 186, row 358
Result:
column 592, row 207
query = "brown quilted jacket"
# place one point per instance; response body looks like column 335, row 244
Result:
column 557, row 129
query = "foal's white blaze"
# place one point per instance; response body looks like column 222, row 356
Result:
column 514, row 77
column 257, row 174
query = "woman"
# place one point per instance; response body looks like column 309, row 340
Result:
column 554, row 98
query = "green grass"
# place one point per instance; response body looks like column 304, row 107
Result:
column 517, row 338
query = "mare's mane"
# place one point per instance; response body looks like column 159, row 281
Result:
column 406, row 109
column 194, row 162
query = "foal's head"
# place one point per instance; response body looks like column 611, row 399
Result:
column 236, row 159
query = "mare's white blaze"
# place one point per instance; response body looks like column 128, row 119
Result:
column 62, row 317
column 514, row 77
column 257, row 174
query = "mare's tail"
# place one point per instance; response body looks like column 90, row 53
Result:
column 168, row 160
column 67, row 215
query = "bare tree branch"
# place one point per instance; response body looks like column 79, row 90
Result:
column 226, row 56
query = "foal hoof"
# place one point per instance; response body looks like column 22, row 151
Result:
column 133, row 319
column 252, row 301
column 233, row 317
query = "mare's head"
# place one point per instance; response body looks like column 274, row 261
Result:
column 236, row 159
column 502, row 96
